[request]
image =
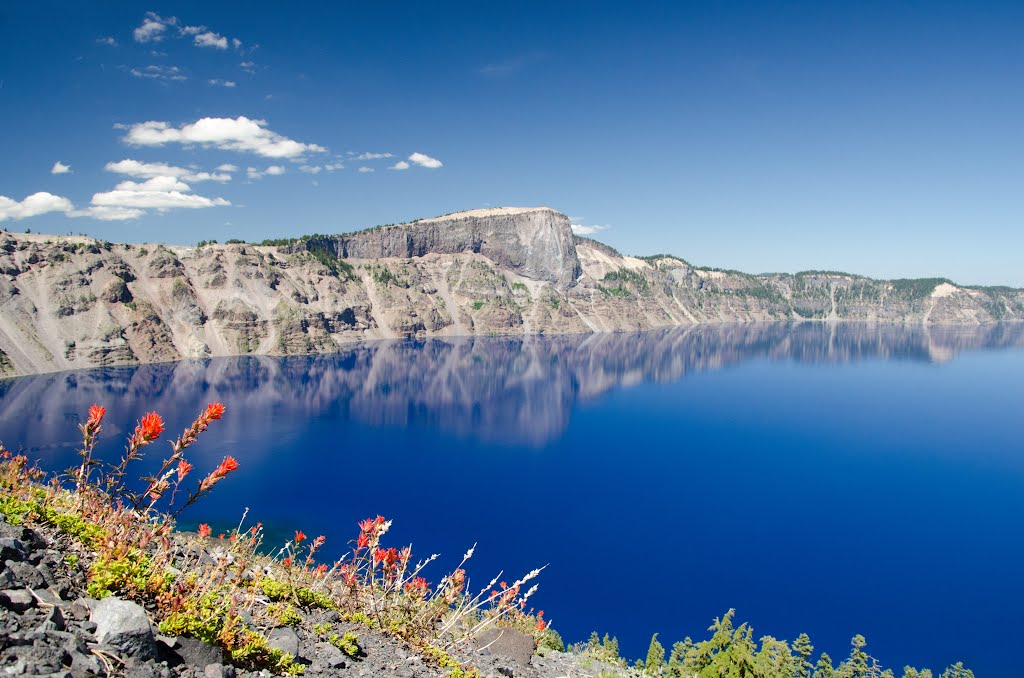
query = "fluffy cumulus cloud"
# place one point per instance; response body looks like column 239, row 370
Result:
column 234, row 134
column 310, row 169
column 162, row 187
column 425, row 161
column 33, row 205
column 365, row 170
column 149, row 170
column 60, row 168
column 256, row 173
column 580, row 229
column 104, row 213
column 210, row 39
column 227, row 167
column 153, row 28
column 159, row 193
column 400, row 165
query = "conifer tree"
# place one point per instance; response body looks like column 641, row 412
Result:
column 802, row 651
column 655, row 657
column 824, row 669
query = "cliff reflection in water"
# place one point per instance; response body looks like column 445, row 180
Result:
column 518, row 390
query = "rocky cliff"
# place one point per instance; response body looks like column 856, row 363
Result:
column 72, row 302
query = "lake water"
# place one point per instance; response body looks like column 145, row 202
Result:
column 828, row 479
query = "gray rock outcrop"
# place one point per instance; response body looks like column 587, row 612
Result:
column 537, row 244
column 124, row 625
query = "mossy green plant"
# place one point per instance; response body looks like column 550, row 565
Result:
column 279, row 590
column 347, row 643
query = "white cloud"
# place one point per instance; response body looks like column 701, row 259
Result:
column 365, row 170
column 331, row 166
column 154, row 184
column 256, row 173
column 211, row 39
column 153, row 27
column 248, row 66
column 165, row 73
column 227, row 167
column 310, row 169
column 400, row 165
column 222, row 83
column 149, row 170
column 104, row 213
column 236, row 43
column 33, row 205
column 107, row 41
column 234, row 134
column 580, row 229
column 373, row 156
column 60, row 168
column 163, row 188
column 425, row 161
column 159, row 200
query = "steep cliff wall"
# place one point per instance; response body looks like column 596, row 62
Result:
column 71, row 302
column 534, row 243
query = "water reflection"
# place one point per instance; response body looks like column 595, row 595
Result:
column 519, row 390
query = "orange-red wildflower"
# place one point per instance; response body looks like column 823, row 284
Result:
column 96, row 413
column 204, row 530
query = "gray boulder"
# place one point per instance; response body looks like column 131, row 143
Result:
column 124, row 625
column 284, row 639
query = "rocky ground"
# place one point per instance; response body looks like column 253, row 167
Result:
column 49, row 627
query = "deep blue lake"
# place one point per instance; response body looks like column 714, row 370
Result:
column 828, row 479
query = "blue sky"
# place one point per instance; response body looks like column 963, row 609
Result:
column 882, row 138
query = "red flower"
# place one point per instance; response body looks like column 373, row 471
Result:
column 213, row 411
column 287, row 562
column 300, row 536
column 319, row 541
column 363, row 541
column 541, row 624
column 96, row 413
column 148, row 429
column 204, row 530
column 417, row 587
column 228, row 465
column 183, row 469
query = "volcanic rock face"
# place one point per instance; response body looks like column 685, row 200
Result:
column 536, row 244
column 74, row 302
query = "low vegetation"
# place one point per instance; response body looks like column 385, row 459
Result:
column 233, row 589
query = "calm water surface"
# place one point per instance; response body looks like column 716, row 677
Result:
column 828, row 480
